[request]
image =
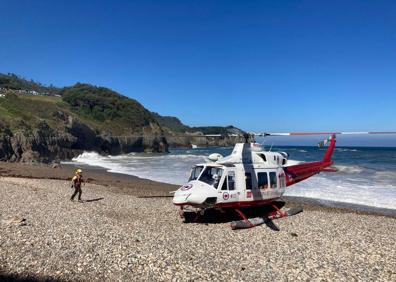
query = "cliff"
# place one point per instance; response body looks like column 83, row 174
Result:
column 34, row 127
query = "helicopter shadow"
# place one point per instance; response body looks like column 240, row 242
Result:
column 213, row 216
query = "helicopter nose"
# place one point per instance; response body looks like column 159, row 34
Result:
column 190, row 194
column 181, row 195
column 180, row 198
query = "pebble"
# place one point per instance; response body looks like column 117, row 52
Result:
column 124, row 238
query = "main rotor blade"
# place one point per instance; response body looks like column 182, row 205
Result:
column 264, row 134
column 177, row 135
column 260, row 134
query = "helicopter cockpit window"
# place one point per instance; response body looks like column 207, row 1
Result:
column 195, row 172
column 211, row 176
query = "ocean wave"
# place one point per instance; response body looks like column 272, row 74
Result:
column 340, row 190
column 85, row 156
column 346, row 150
column 88, row 156
column 349, row 168
column 173, row 169
column 386, row 174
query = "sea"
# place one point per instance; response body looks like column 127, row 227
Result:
column 366, row 175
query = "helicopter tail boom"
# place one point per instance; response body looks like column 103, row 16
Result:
column 297, row 173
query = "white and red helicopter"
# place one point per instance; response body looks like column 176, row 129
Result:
column 249, row 177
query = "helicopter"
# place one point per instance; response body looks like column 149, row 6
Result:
column 250, row 177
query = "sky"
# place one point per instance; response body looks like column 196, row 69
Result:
column 258, row 65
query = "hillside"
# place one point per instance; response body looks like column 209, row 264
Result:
column 13, row 82
column 171, row 123
column 60, row 123
column 108, row 110
column 176, row 126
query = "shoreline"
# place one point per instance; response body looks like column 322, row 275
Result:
column 116, row 182
column 136, row 186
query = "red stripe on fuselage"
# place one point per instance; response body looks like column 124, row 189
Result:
column 237, row 204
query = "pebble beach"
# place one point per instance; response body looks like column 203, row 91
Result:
column 116, row 236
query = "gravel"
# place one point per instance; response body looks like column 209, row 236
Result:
column 118, row 237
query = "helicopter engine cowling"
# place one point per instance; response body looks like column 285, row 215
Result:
column 215, row 157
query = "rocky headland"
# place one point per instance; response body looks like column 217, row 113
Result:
column 47, row 124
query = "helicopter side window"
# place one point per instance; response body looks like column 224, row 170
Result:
column 248, row 180
column 229, row 181
column 262, row 180
column 225, row 184
column 272, row 176
column 195, row 172
column 211, row 176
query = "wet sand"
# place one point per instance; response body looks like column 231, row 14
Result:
column 121, row 183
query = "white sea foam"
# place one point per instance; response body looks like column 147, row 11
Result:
column 172, row 169
column 349, row 168
column 346, row 150
column 367, row 194
column 385, row 175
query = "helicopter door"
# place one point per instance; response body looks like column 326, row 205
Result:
column 228, row 192
column 282, row 181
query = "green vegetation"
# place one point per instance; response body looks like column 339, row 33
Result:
column 14, row 82
column 171, row 123
column 116, row 113
column 175, row 125
column 25, row 112
column 216, row 130
column 101, row 109
column 40, row 123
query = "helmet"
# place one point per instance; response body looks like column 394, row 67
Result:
column 78, row 171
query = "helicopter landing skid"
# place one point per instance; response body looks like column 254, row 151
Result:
column 267, row 219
